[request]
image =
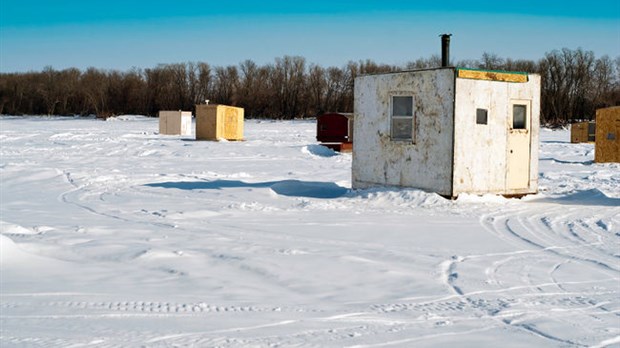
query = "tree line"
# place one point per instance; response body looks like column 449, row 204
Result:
column 574, row 84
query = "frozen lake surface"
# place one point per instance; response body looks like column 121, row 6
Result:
column 112, row 235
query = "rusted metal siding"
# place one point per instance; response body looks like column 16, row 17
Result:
column 481, row 150
column 379, row 160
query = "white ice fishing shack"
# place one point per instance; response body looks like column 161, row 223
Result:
column 447, row 130
column 175, row 122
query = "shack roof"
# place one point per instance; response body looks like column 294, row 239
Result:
column 471, row 73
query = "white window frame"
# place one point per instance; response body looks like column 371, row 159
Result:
column 411, row 117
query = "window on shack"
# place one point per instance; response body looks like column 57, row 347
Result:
column 519, row 116
column 481, row 116
column 402, row 118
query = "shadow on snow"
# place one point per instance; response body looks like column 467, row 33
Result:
column 592, row 197
column 320, row 150
column 585, row 163
column 293, row 188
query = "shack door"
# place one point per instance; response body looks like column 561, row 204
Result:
column 518, row 145
column 186, row 125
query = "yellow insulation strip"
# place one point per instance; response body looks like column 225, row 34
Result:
column 491, row 75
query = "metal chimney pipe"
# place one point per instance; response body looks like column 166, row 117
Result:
column 445, row 49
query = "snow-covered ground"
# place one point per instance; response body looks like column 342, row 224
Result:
column 112, row 235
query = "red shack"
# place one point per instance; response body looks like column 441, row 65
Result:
column 335, row 130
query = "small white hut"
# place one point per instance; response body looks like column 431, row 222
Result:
column 175, row 122
column 447, row 130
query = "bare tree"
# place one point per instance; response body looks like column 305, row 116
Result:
column 425, row 63
column 491, row 61
column 574, row 84
column 225, row 85
column 68, row 85
column 49, row 89
column 288, row 83
column 317, row 90
column 203, row 82
column 94, row 84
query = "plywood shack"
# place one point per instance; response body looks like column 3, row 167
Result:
column 175, row 122
column 447, row 130
column 607, row 145
column 335, row 130
column 217, row 121
column 583, row 132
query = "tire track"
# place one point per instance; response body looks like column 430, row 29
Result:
column 65, row 198
column 554, row 235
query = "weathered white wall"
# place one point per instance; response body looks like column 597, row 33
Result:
column 480, row 150
column 377, row 160
column 186, row 123
column 532, row 89
column 175, row 122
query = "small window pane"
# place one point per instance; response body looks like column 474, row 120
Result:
column 402, row 106
column 591, row 131
column 519, row 113
column 481, row 116
column 402, row 128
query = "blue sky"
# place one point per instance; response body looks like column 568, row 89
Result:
column 120, row 35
